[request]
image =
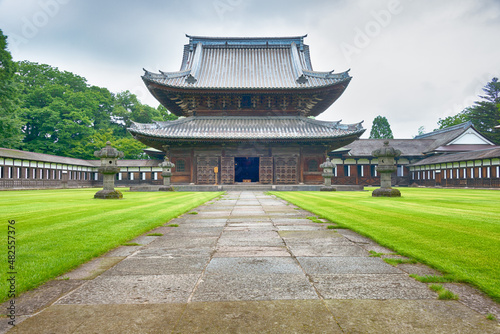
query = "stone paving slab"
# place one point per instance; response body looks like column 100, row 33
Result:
column 253, row 266
column 207, row 222
column 317, row 250
column 323, row 236
column 250, row 251
column 300, row 227
column 223, row 287
column 158, row 252
column 409, row 316
column 92, row 268
column 250, row 229
column 133, row 289
column 346, row 265
column 184, row 242
column 34, row 300
column 249, row 219
column 128, row 318
column 354, row 237
column 242, row 213
column 371, row 286
column 474, row 299
column 159, row 266
column 291, row 221
column 242, row 242
column 277, row 316
column 198, row 231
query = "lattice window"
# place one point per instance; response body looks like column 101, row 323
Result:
column 312, row 165
column 180, row 165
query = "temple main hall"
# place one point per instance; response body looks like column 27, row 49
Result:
column 247, row 109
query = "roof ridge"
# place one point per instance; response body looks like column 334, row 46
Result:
column 464, row 125
column 244, row 38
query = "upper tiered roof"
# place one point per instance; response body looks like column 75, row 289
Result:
column 256, row 65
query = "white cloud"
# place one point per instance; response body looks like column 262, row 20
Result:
column 422, row 61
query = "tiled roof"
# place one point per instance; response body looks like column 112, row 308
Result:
column 247, row 63
column 24, row 155
column 463, row 156
column 246, row 128
column 42, row 157
column 408, row 147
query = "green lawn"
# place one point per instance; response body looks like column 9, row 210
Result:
column 57, row 230
column 456, row 231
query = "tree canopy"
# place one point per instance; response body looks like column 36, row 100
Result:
column 381, row 129
column 60, row 113
column 484, row 114
column 10, row 123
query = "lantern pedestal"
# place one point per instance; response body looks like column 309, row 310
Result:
column 328, row 167
column 108, row 194
column 385, row 168
column 166, row 173
column 109, row 167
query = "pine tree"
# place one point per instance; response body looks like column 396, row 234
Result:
column 381, row 129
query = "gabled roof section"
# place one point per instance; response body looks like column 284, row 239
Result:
column 460, row 137
column 235, row 63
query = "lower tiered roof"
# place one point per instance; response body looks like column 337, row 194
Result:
column 240, row 128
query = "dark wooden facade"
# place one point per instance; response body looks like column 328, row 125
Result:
column 263, row 164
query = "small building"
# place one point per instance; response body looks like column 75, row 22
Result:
column 247, row 108
column 424, row 159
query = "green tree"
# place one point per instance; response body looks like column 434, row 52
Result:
column 381, row 129
column 63, row 115
column 10, row 124
column 59, row 109
column 485, row 114
column 459, row 118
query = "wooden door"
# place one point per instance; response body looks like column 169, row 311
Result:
column 266, row 170
column 205, row 169
column 227, row 170
column 438, row 178
column 286, row 170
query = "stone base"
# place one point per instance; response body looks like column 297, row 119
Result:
column 386, row 192
column 108, row 194
column 327, row 188
column 166, row 188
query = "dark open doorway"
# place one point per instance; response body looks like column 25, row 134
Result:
column 246, row 169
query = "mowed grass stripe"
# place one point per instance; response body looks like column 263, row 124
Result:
column 454, row 230
column 57, row 230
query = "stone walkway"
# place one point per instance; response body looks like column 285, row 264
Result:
column 246, row 263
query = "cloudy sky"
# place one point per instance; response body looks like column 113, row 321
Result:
column 411, row 61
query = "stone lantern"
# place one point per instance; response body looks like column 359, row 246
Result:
column 109, row 167
column 328, row 167
column 386, row 166
column 166, row 166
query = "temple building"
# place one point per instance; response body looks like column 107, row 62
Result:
column 247, row 108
